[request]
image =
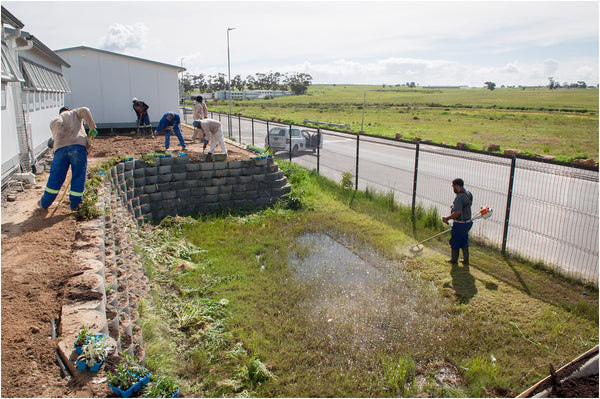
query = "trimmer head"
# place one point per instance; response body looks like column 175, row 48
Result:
column 416, row 248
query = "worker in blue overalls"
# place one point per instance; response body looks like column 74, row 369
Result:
column 461, row 213
column 71, row 146
column 169, row 121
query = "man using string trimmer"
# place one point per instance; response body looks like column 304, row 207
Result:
column 461, row 213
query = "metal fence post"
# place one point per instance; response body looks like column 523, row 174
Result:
column 511, row 182
column 252, row 131
column 415, row 175
column 357, row 150
column 240, row 127
column 290, row 143
column 318, row 148
column 268, row 138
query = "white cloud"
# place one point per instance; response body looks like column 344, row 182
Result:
column 123, row 37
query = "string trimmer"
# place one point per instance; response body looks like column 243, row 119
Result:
column 485, row 213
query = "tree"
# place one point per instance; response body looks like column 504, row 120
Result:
column 490, row 85
column 298, row 82
column 553, row 85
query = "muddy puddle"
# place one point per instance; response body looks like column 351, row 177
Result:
column 360, row 301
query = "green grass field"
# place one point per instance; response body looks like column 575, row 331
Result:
column 227, row 316
column 561, row 123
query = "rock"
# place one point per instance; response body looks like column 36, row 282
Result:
column 416, row 138
column 34, row 329
column 398, row 135
column 585, row 162
column 493, row 147
column 545, row 157
column 11, row 197
column 512, row 152
column 462, row 144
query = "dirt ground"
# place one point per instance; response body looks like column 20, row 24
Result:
column 36, row 263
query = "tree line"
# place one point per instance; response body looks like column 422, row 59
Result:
column 296, row 82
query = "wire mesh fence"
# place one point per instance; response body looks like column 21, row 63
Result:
column 543, row 211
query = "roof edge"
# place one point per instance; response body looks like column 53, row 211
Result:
column 179, row 68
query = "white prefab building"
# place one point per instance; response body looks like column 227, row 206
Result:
column 105, row 82
column 33, row 90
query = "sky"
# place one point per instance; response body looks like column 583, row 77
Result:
column 448, row 43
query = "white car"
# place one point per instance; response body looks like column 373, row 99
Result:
column 302, row 140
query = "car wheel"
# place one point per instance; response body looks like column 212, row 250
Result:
column 295, row 150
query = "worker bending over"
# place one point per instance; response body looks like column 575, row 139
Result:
column 169, row 121
column 71, row 146
column 212, row 128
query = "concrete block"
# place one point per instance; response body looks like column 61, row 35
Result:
column 145, row 208
column 165, row 169
column 235, row 172
column 120, row 167
column 139, row 172
column 235, row 164
column 238, row 188
column 151, row 179
column 207, row 174
column 176, row 185
column 150, row 188
column 156, row 197
column 139, row 181
column 179, row 160
column 225, row 189
column 190, row 183
column 138, row 191
column 178, row 168
column 211, row 190
column 207, row 166
column 253, row 194
column 246, row 179
column 165, row 178
column 218, row 181
column 210, row 198
column 166, row 161
column 185, row 193
column 179, row 176
column 219, row 165
column 192, row 167
column 144, row 199
column 224, row 197
column 233, row 180
column 245, row 165
column 169, row 195
column 129, row 165
column 197, row 192
column 222, row 172
column 279, row 183
column 151, row 171
column 259, row 177
column 193, row 175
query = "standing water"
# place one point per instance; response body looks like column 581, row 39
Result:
column 364, row 303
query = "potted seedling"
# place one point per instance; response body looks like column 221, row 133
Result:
column 93, row 353
column 128, row 378
column 82, row 338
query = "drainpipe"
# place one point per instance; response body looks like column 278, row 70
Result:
column 26, row 155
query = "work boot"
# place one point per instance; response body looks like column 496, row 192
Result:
column 208, row 157
column 454, row 258
column 465, row 260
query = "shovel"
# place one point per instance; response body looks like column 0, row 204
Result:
column 485, row 213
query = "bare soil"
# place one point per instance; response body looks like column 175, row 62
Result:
column 36, row 263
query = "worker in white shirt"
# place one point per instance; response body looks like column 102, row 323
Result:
column 212, row 128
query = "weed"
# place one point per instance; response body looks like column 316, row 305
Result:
column 347, row 181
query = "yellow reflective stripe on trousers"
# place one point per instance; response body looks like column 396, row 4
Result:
column 75, row 194
column 51, row 190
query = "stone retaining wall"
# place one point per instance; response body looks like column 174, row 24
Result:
column 176, row 186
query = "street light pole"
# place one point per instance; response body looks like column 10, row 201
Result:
column 229, row 82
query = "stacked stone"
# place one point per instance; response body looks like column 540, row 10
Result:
column 176, row 186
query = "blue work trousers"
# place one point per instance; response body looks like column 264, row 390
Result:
column 459, row 235
column 177, row 131
column 143, row 120
column 74, row 156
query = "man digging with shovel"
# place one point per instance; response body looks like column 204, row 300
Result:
column 461, row 213
column 71, row 146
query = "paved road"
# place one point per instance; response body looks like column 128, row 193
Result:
column 554, row 211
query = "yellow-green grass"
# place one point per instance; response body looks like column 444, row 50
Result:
column 246, row 306
column 561, row 123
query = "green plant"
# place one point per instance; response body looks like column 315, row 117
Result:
column 160, row 387
column 82, row 337
column 94, row 351
column 346, row 182
column 258, row 372
column 128, row 372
